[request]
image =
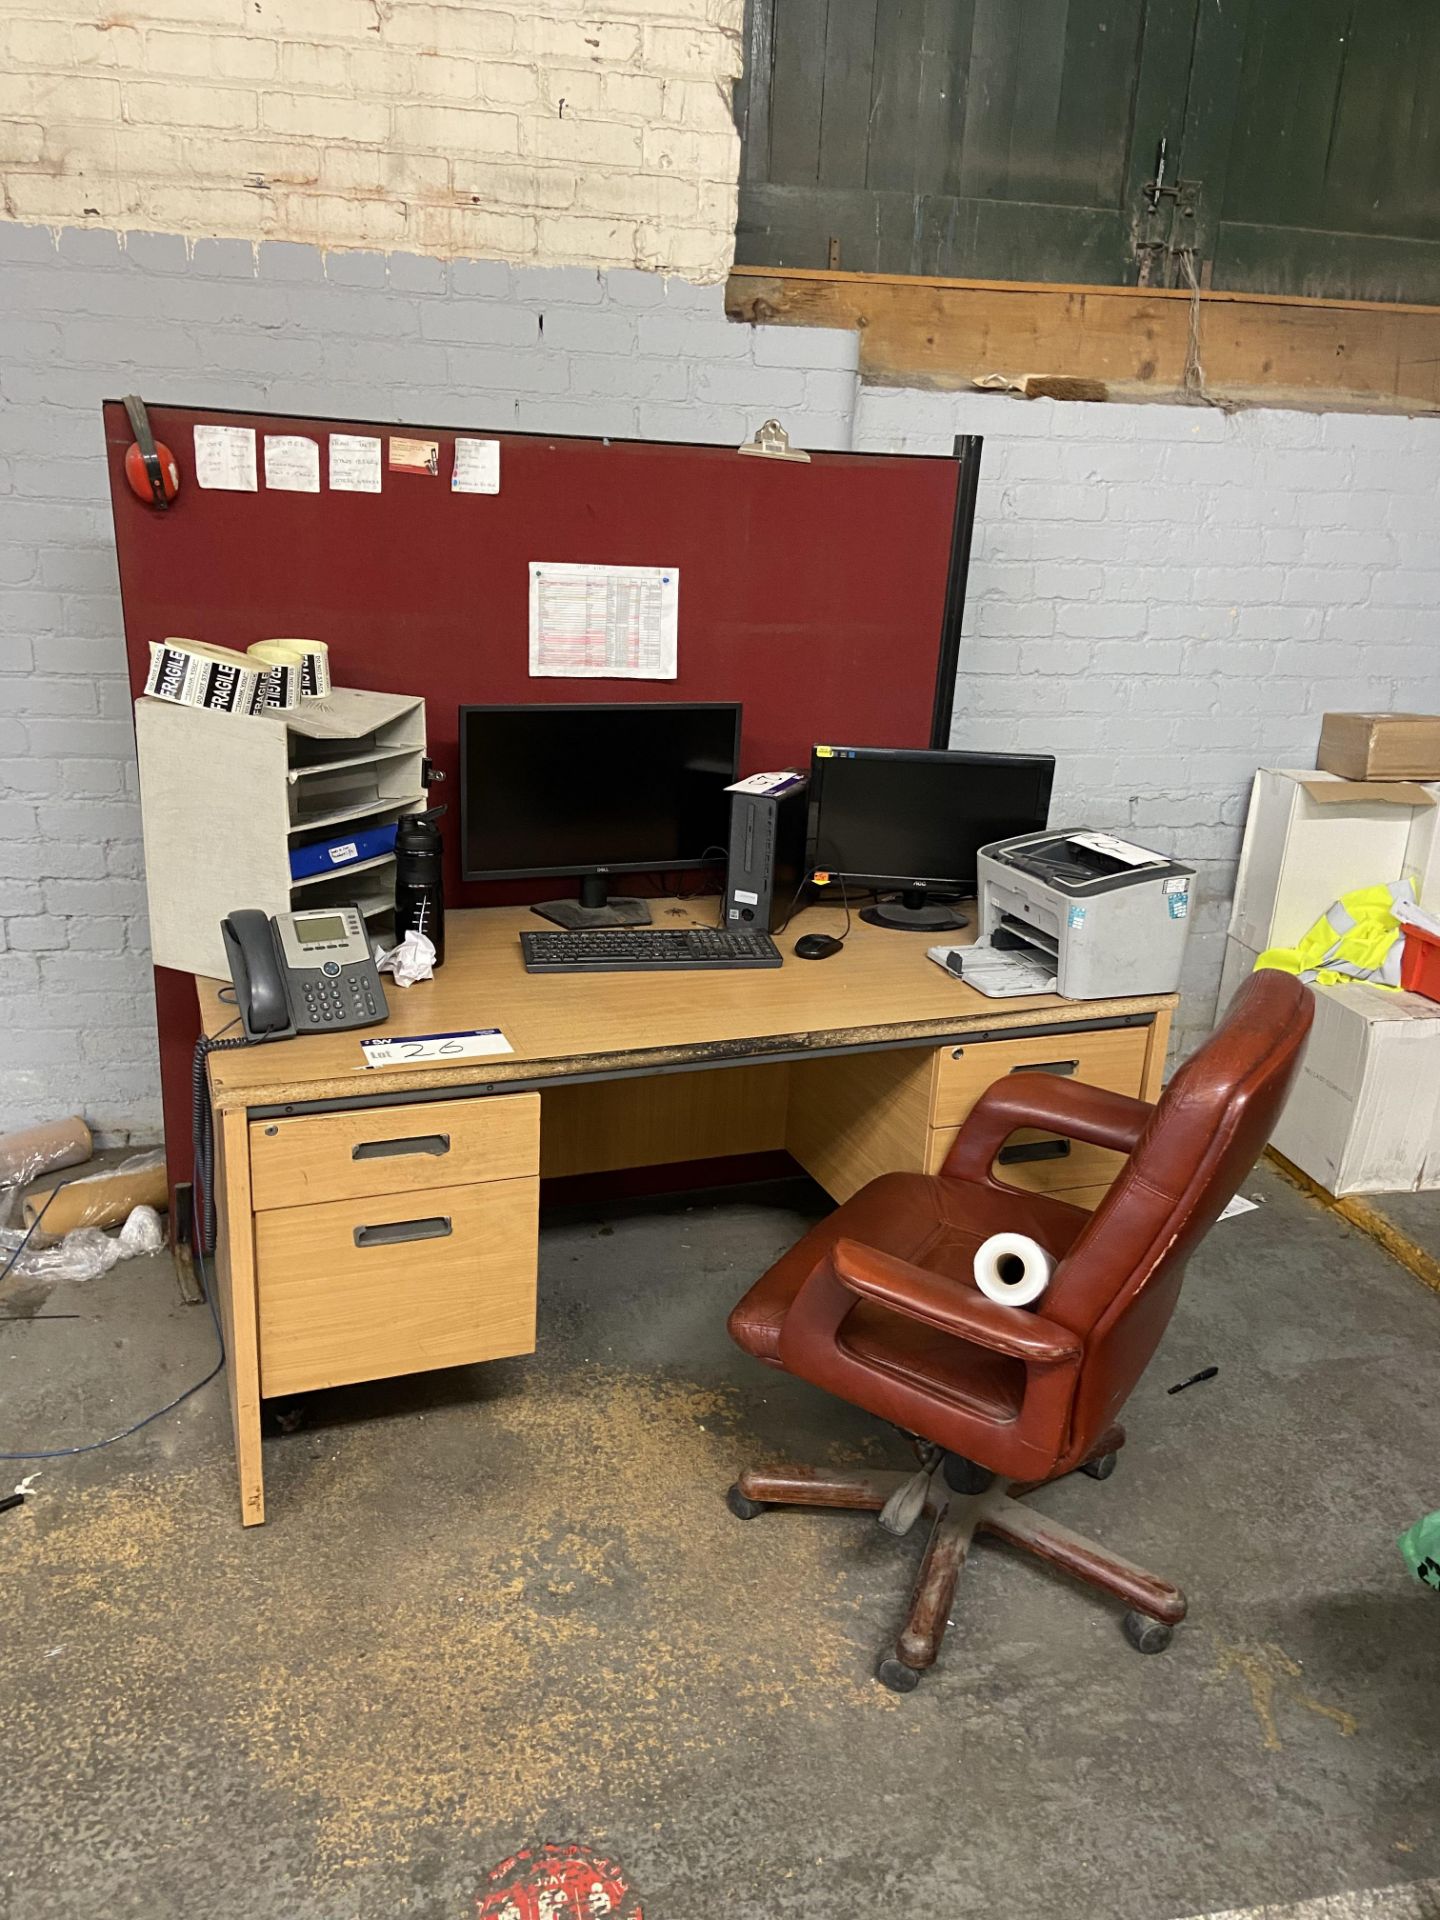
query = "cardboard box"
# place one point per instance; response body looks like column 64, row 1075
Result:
column 1237, row 969
column 1364, row 1113
column 1380, row 746
column 1311, row 836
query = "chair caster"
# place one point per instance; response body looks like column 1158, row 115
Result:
column 895, row 1675
column 742, row 1507
column 1145, row 1634
column 1102, row 1466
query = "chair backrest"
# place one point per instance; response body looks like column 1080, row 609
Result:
column 1119, row 1282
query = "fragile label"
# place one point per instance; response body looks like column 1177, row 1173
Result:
column 421, row 1049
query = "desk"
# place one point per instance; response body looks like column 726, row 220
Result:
column 378, row 1221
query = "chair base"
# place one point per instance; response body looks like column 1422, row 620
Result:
column 1155, row 1606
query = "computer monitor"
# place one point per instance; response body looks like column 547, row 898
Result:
column 595, row 789
column 913, row 822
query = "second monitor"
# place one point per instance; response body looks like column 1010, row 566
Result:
column 593, row 790
column 912, row 822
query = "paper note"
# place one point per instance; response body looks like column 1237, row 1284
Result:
column 354, row 463
column 421, row 1049
column 225, row 459
column 603, row 623
column 477, row 467
column 292, row 463
column 414, row 456
column 1124, row 851
column 770, row 783
column 1238, row 1205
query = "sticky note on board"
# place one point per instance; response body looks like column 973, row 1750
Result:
column 477, row 467
column 354, row 463
column 292, row 463
column 225, row 459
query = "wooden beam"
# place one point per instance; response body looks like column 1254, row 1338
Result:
column 1255, row 349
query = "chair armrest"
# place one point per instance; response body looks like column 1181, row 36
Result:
column 951, row 1307
column 1067, row 1107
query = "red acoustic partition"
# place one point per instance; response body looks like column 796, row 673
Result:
column 825, row 596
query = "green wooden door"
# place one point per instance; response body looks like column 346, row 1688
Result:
column 999, row 139
column 1313, row 137
column 1280, row 146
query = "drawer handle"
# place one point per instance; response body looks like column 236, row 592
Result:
column 437, row 1227
column 436, row 1143
column 1033, row 1150
column 1062, row 1067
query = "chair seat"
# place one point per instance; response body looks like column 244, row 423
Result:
column 936, row 1224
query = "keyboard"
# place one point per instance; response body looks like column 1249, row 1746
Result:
column 646, row 950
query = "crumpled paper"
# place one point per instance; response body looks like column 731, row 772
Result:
column 412, row 960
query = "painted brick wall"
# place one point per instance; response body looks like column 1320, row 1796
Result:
column 223, row 324
column 1168, row 597
column 1163, row 597
column 533, row 130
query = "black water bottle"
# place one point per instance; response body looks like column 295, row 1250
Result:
column 419, row 887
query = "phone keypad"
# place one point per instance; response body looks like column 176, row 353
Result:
column 342, row 1002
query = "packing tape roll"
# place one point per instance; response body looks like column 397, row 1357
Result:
column 315, row 682
column 192, row 674
column 284, row 668
column 1013, row 1269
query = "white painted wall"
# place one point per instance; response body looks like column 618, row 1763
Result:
column 516, row 130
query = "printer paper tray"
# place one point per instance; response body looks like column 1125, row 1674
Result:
column 1045, row 943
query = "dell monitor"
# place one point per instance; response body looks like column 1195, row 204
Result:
column 912, row 823
column 593, row 790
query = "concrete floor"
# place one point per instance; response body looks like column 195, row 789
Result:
column 508, row 1604
column 1417, row 1215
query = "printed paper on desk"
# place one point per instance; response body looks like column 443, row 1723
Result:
column 292, row 463
column 354, row 463
column 414, row 456
column 603, row 623
column 768, row 782
column 225, row 459
column 477, row 467
column 426, row 1049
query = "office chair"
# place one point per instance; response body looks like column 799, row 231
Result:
column 878, row 1305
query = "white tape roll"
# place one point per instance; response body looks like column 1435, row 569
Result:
column 1013, row 1269
column 283, row 667
column 192, row 674
column 314, row 666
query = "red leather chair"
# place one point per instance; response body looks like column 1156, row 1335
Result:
column 878, row 1305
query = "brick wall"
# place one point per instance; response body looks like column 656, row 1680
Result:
column 1168, row 597
column 1163, row 597
column 523, row 131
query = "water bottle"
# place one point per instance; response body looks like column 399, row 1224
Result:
column 419, row 887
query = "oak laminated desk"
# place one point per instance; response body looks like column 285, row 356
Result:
column 382, row 1221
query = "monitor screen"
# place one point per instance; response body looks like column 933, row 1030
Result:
column 577, row 789
column 898, row 818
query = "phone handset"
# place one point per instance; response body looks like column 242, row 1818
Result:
column 258, row 972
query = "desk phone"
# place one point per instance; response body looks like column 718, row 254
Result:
column 302, row 972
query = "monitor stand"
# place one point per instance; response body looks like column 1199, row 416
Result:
column 594, row 908
column 913, row 912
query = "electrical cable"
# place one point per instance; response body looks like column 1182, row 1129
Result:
column 94, row 1446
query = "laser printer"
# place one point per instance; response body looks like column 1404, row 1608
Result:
column 1112, row 916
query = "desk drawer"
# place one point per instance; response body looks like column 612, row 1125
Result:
column 375, row 1150
column 361, row 1289
column 1052, row 1171
column 1113, row 1058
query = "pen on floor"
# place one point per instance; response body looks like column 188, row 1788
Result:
column 1205, row 1373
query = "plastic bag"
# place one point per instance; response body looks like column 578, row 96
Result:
column 1420, row 1545
column 87, row 1252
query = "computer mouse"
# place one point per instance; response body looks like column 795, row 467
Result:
column 817, row 946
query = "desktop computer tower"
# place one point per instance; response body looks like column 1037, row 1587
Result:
column 768, row 833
